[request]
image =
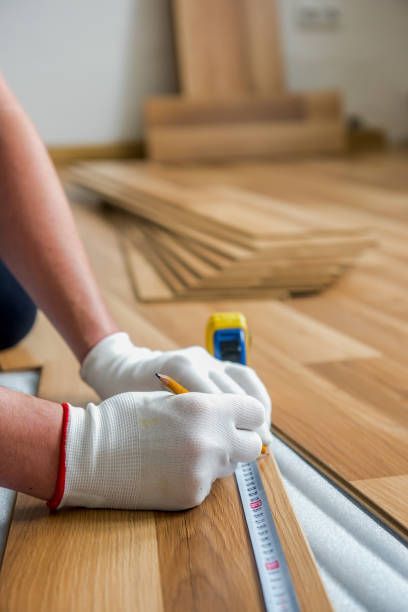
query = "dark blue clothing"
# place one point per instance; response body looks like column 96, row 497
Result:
column 17, row 310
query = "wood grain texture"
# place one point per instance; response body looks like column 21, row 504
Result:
column 227, row 48
column 183, row 111
column 390, row 494
column 250, row 140
column 104, row 560
column 236, row 215
column 267, row 247
column 336, row 365
column 188, row 130
column 351, row 435
column 80, row 560
column 146, row 281
column 367, row 430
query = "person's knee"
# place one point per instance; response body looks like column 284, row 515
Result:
column 17, row 310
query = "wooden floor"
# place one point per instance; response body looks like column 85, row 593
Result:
column 336, row 366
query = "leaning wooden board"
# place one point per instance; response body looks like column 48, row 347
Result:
column 104, row 560
column 227, row 48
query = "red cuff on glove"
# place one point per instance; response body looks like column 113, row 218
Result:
column 55, row 500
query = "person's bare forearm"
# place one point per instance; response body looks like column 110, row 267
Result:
column 38, row 238
column 30, row 433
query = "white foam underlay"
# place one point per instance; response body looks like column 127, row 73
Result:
column 363, row 566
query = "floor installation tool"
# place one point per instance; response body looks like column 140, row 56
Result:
column 227, row 339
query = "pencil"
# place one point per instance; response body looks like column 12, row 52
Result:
column 171, row 384
column 177, row 389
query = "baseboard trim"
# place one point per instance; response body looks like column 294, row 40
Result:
column 363, row 140
column 117, row 150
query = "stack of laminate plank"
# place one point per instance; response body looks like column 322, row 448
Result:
column 233, row 102
column 183, row 242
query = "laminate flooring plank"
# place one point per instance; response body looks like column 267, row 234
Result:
column 180, row 111
column 295, row 184
column 210, row 545
column 220, row 212
column 211, row 248
column 250, row 140
column 207, row 254
column 378, row 381
column 390, row 494
column 378, row 170
column 227, row 48
column 118, row 194
column 173, row 550
column 97, row 560
column 367, row 441
column 187, row 129
column 344, row 432
column 298, row 336
column 264, row 269
column 380, row 291
column 315, row 187
column 303, row 338
column 248, row 273
column 217, row 533
column 365, row 323
column 147, row 283
column 195, row 263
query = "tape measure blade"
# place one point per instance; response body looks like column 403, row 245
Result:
column 276, row 582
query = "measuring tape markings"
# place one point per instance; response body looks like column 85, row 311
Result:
column 227, row 338
column 276, row 582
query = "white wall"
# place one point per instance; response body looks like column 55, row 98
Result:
column 366, row 57
column 82, row 67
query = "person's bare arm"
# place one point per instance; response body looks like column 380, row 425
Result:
column 40, row 244
column 30, row 433
column 38, row 238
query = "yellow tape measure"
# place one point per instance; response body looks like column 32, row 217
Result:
column 227, row 337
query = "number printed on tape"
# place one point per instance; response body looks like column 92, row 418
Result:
column 276, row 582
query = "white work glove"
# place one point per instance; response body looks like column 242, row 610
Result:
column 115, row 365
column 153, row 450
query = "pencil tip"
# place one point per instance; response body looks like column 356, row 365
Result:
column 157, row 375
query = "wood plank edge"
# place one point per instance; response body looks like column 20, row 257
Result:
column 346, row 487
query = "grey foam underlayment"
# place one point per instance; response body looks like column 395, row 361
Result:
column 363, row 566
